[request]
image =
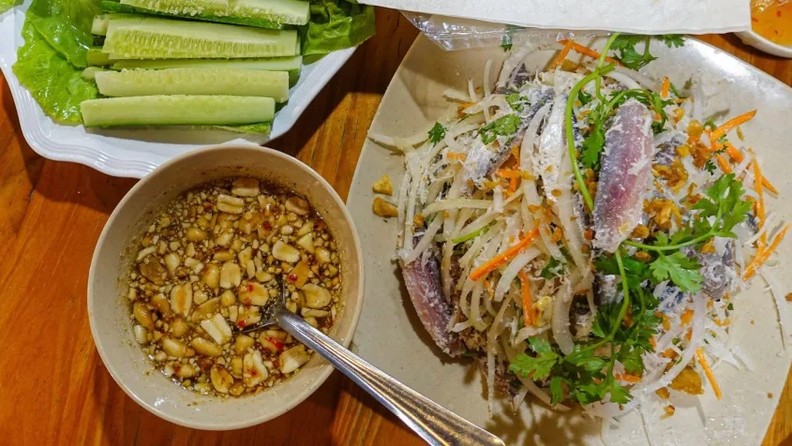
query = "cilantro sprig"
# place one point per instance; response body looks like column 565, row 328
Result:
column 504, row 126
column 437, row 133
column 715, row 215
column 630, row 57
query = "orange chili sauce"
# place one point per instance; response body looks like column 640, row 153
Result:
column 774, row 22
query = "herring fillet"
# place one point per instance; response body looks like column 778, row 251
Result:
column 422, row 280
column 625, row 175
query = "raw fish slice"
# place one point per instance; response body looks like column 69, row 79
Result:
column 717, row 268
column 483, row 160
column 552, row 149
column 422, row 279
column 666, row 150
column 625, row 176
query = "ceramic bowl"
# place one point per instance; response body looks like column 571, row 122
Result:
column 757, row 41
column 108, row 308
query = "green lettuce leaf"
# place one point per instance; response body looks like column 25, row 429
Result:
column 335, row 25
column 5, row 5
column 65, row 25
column 54, row 83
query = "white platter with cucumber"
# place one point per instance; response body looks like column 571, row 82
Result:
column 149, row 79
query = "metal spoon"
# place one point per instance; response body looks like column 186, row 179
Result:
column 431, row 421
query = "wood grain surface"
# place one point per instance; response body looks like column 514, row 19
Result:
column 53, row 386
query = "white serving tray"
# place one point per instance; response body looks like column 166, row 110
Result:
column 134, row 153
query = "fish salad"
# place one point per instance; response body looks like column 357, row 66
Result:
column 582, row 231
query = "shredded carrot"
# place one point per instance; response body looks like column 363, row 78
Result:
column 734, row 153
column 769, row 186
column 628, row 377
column 764, row 254
column 708, row 371
column 732, row 123
column 513, row 183
column 559, row 59
column 761, row 213
column 493, row 263
column 508, row 173
column 766, row 184
column 665, row 88
column 686, row 317
column 723, row 164
column 586, row 51
column 456, row 156
column 527, row 299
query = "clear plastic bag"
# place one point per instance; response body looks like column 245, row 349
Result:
column 452, row 33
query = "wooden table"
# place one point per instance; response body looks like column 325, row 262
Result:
column 53, row 386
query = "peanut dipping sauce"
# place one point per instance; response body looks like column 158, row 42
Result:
column 209, row 262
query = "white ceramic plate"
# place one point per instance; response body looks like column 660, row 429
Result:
column 391, row 336
column 134, row 153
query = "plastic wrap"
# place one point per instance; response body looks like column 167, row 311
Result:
column 452, row 33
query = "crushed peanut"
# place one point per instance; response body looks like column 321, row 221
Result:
column 384, row 208
column 208, row 263
column 383, row 186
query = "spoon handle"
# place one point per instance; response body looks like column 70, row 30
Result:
column 431, row 421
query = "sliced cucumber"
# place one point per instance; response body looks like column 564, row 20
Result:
column 269, row 64
column 195, row 81
column 180, row 7
column 156, row 38
column 177, row 110
column 283, row 12
column 96, row 58
column 101, row 22
column 262, row 128
column 291, row 64
column 89, row 73
column 114, row 6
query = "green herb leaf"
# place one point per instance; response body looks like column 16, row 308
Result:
column 627, row 54
column 516, row 101
column 584, row 97
column 538, row 367
column 553, row 268
column 503, row 126
column 680, row 269
column 672, row 40
column 506, row 42
column 625, row 44
column 556, row 389
column 593, row 146
column 631, row 360
column 618, row 393
column 436, row 133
